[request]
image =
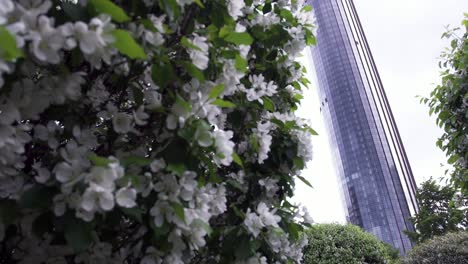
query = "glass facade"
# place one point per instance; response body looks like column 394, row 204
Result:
column 375, row 177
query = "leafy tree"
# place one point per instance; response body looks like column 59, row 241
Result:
column 449, row 248
column 336, row 244
column 151, row 131
column 441, row 211
column 449, row 101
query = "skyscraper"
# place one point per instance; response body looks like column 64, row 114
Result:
column 374, row 173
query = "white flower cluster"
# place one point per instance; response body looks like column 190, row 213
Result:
column 158, row 140
column 190, row 221
column 263, row 217
column 259, row 88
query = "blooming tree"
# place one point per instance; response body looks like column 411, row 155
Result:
column 449, row 103
column 151, row 131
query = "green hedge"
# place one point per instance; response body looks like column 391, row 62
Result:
column 334, row 243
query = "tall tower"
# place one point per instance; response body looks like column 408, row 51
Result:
column 376, row 180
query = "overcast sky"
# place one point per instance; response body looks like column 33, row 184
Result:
column 404, row 37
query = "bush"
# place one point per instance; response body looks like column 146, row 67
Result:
column 151, row 131
column 334, row 243
column 451, row 248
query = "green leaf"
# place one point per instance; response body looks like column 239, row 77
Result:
column 305, row 181
column 240, row 64
column 78, row 233
column 126, row 45
column 268, row 104
column 298, row 163
column 74, row 11
column 134, row 212
column 176, row 168
column 200, row 223
column 453, row 159
column 266, row 8
column 137, row 160
column 307, row 8
column 216, row 91
column 38, row 196
column 239, row 38
column 193, row 71
column 287, row 15
column 237, row 159
column 199, row 3
column 295, row 229
column 225, row 30
column 178, row 210
column 171, row 7
column 223, row 103
column 186, row 43
column 311, row 131
column 235, row 184
column 99, row 161
column 162, row 74
column 180, row 101
column 108, row 7
column 9, row 51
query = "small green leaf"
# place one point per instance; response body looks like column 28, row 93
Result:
column 223, row 103
column 311, row 131
column 180, row 101
column 240, row 64
column 237, row 159
column 98, row 160
column 108, row 7
column 186, row 43
column 134, row 212
column 266, row 8
column 176, row 168
column 199, row 3
column 225, row 30
column 216, row 91
column 287, row 15
column 298, row 163
column 171, row 7
column 307, row 8
column 268, row 104
column 453, row 159
column 125, row 43
column 193, row 71
column 235, row 184
column 137, row 160
column 178, row 210
column 239, row 38
column 162, row 74
column 9, row 51
column 78, row 233
column 200, row 223
column 305, row 181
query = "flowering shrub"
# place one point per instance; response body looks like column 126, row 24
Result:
column 151, row 131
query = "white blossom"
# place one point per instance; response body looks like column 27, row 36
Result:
column 125, row 197
column 6, row 7
column 259, row 88
column 199, row 55
column 224, row 146
column 235, row 8
column 122, row 123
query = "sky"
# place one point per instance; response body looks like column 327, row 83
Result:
column 405, row 39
